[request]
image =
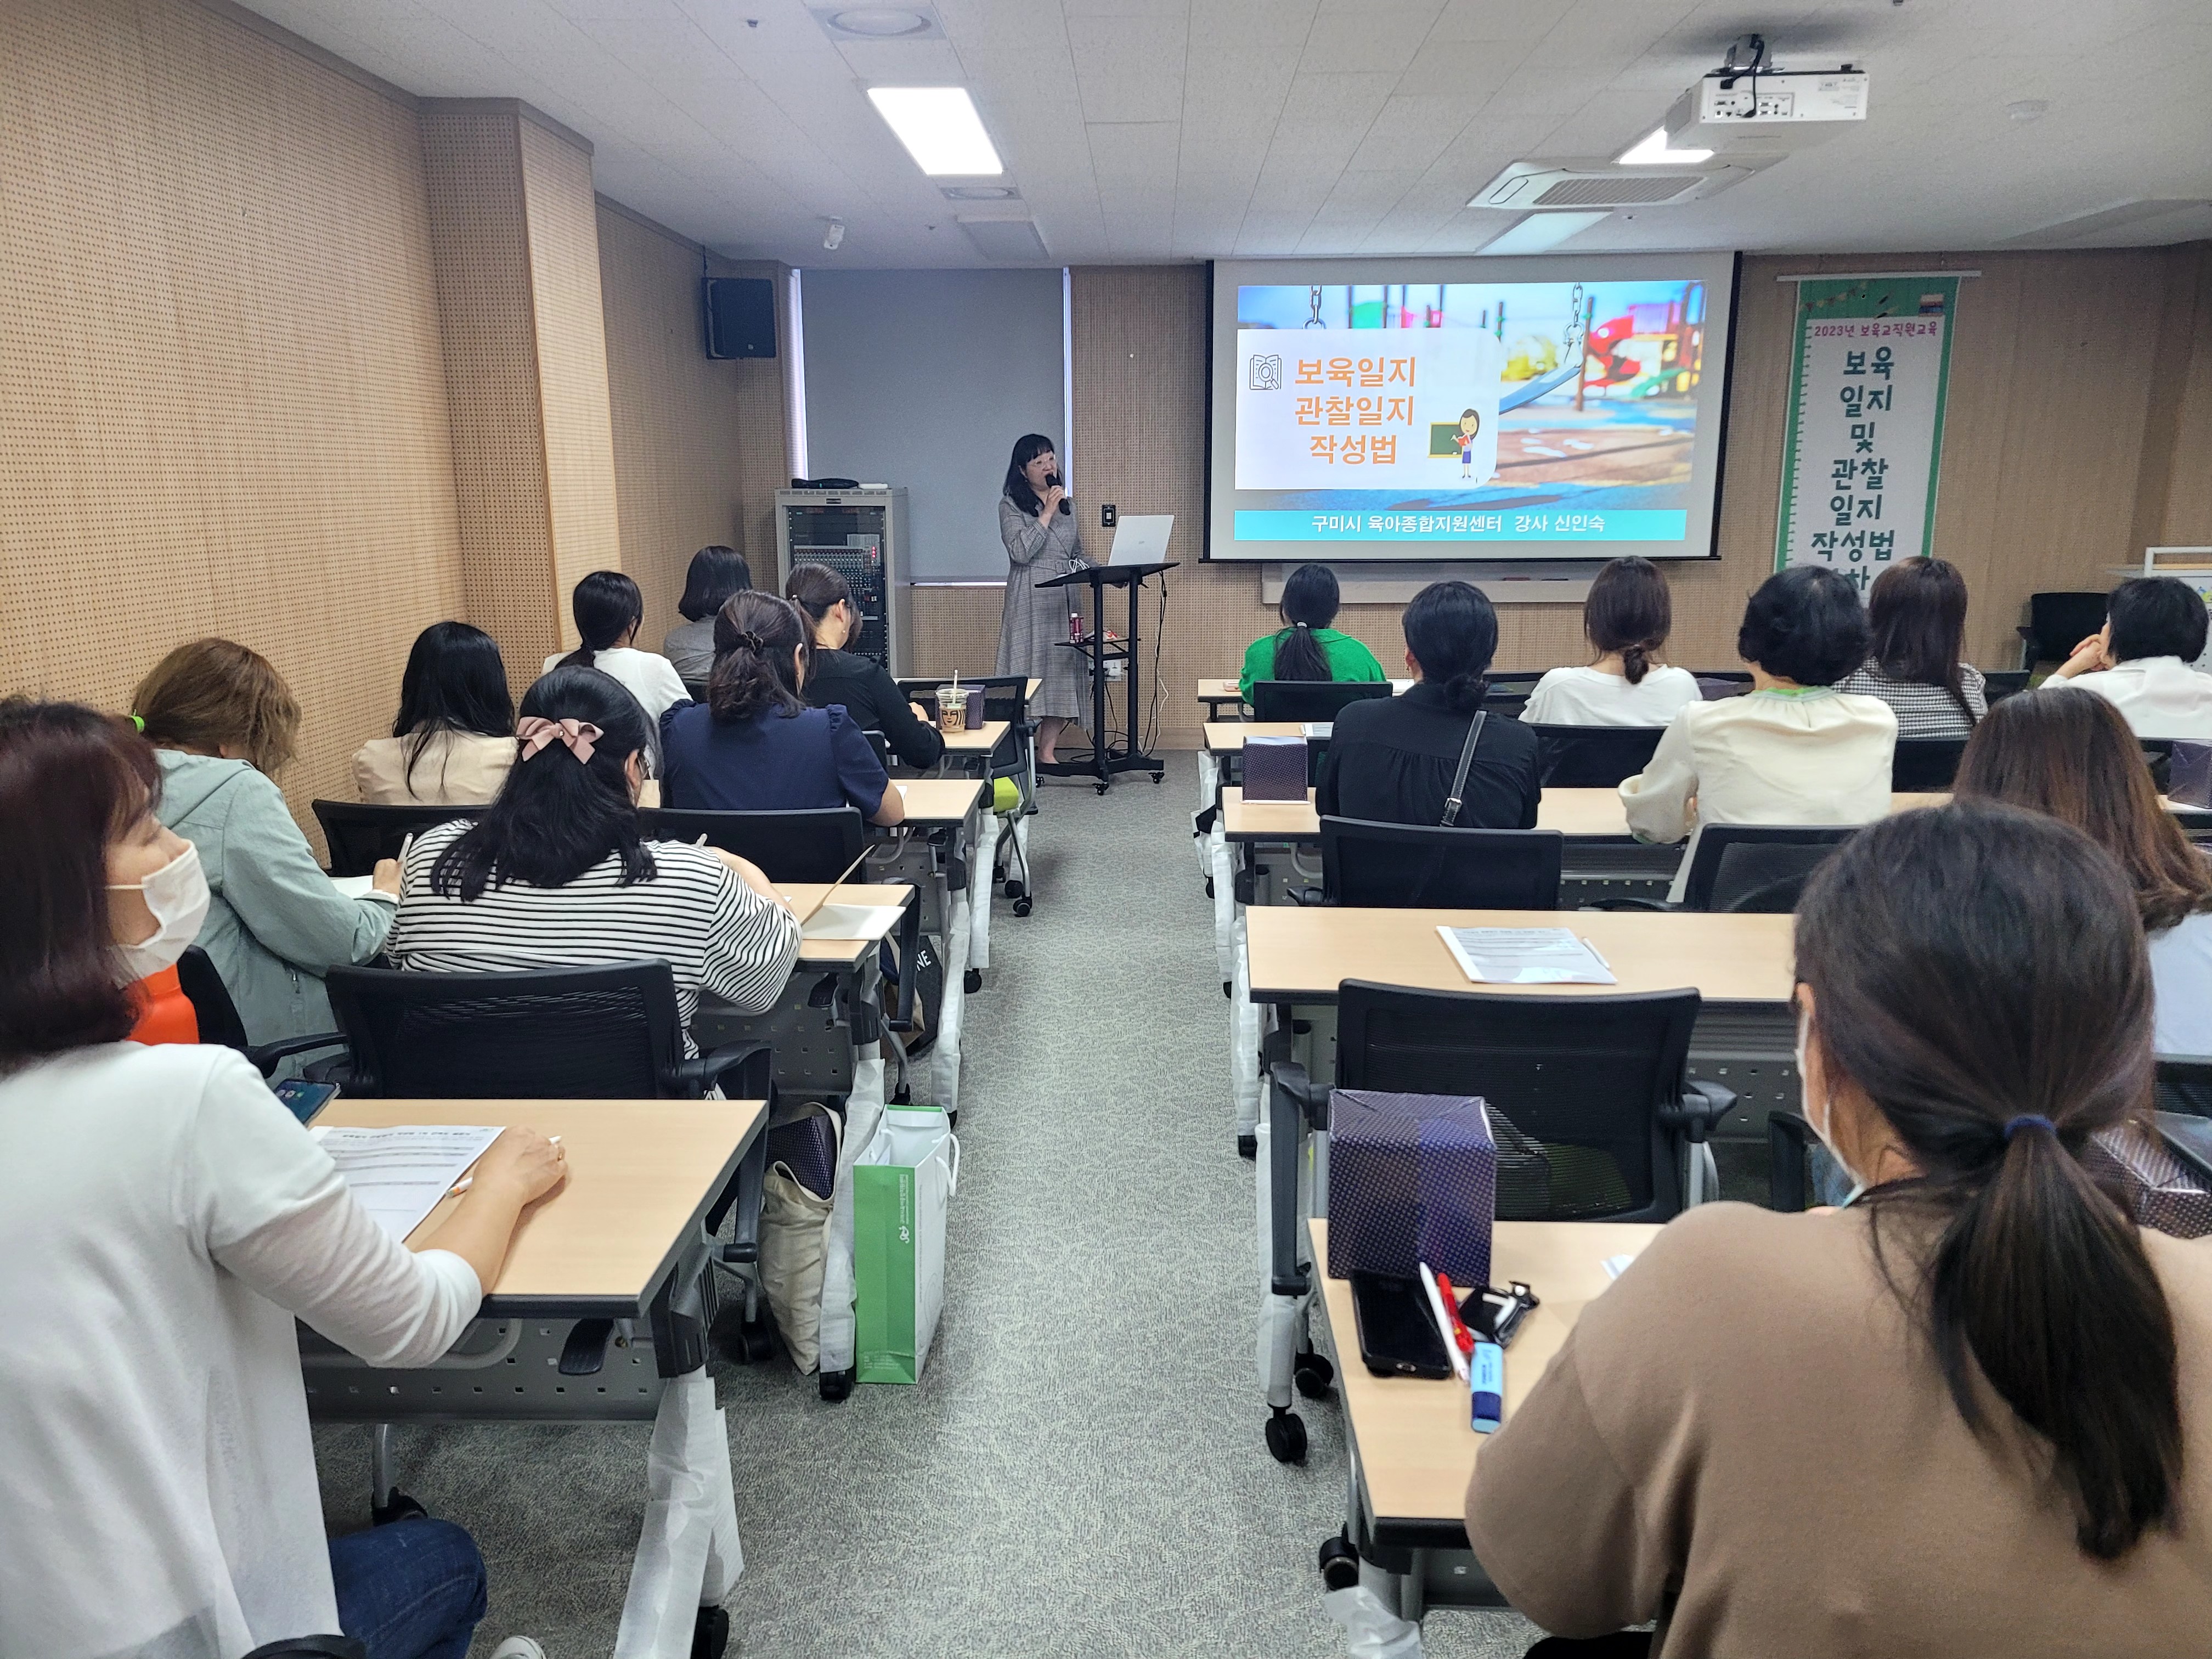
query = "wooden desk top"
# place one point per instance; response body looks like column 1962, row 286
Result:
column 1301, row 955
column 1218, row 691
column 1416, row 1451
column 1227, row 737
column 824, row 952
column 976, row 740
column 1586, row 813
column 1268, row 820
column 641, row 1175
column 935, row 801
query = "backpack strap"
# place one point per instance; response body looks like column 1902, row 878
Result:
column 1459, row 778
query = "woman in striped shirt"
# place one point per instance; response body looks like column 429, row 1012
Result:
column 555, row 874
column 1918, row 612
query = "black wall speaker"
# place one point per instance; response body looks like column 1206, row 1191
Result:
column 740, row 316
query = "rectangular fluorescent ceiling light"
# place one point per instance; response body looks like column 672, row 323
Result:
column 940, row 127
column 1652, row 152
column 1540, row 231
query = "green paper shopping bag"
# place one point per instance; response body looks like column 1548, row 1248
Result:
column 902, row 1185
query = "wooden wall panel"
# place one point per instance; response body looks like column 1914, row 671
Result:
column 223, row 406
column 474, row 166
column 699, row 444
column 2051, row 420
column 562, row 216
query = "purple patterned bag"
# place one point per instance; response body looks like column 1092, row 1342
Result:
column 1411, row 1178
column 1274, row 768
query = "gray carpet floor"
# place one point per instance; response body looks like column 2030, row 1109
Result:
column 1080, row 1473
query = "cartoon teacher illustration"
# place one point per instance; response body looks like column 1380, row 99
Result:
column 1469, row 424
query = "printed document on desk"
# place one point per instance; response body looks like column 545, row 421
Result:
column 850, row 921
column 399, row 1174
column 1526, row 955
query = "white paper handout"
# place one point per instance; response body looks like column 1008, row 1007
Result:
column 844, row 921
column 1526, row 955
column 1316, row 730
column 398, row 1174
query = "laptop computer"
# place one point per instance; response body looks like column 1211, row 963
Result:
column 1142, row 538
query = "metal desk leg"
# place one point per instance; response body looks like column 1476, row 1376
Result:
column 979, row 890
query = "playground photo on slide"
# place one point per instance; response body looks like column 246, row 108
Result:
column 1593, row 408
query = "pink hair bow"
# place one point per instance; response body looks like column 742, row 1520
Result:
column 577, row 736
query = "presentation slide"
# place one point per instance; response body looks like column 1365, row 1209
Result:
column 1550, row 408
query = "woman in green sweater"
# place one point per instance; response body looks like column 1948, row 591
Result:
column 1306, row 647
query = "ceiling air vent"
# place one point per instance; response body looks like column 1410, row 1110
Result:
column 1580, row 185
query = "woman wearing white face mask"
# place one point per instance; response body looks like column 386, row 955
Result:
column 1966, row 1413
column 163, row 1221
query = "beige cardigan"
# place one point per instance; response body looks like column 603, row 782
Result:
column 1812, row 756
column 455, row 769
column 1745, row 1439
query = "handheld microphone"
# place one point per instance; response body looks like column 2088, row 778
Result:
column 1063, row 506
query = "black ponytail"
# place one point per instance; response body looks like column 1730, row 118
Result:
column 755, row 635
column 1979, row 973
column 1630, row 610
column 606, row 605
column 1452, row 632
column 1310, row 600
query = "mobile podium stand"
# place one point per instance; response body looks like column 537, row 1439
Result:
column 1104, row 759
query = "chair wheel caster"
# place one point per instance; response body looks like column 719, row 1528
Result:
column 1248, row 1147
column 1314, row 1377
column 710, row 1636
column 972, row 981
column 1286, row 1435
column 758, row 1341
column 738, row 1341
column 1022, row 905
column 952, row 1118
column 1100, row 787
column 902, row 1096
column 401, row 1507
column 837, row 1386
column 1339, row 1566
column 1158, row 778
column 1228, row 989
column 1209, row 887
column 1015, row 889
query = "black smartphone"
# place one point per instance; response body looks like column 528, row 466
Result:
column 302, row 1098
column 1398, row 1334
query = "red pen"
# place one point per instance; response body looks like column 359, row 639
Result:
column 1460, row 1334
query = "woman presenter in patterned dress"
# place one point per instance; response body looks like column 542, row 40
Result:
column 1038, row 526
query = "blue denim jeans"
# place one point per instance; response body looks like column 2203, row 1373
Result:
column 414, row 1589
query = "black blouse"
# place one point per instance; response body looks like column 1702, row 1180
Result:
column 1390, row 760
column 873, row 698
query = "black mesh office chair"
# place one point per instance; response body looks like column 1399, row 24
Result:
column 816, row 844
column 2158, row 755
column 1925, row 766
column 359, row 835
column 1758, row 869
column 1998, row 683
column 1598, row 1082
column 218, row 1019
column 1593, row 756
column 2184, row 1085
column 1319, row 701
column 1410, row 865
column 2056, row 623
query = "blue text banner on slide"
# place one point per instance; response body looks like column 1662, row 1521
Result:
column 1472, row 408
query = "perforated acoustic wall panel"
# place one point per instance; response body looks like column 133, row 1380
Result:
column 474, row 166
column 562, row 217
column 685, row 425
column 223, row 408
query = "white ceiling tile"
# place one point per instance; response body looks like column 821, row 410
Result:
column 1155, row 129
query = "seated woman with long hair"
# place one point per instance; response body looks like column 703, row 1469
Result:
column 754, row 746
column 1917, row 618
column 838, row 679
column 2068, row 752
column 1306, row 646
column 164, row 1221
column 454, row 738
column 1968, row 1412
column 1626, row 619
column 556, row 873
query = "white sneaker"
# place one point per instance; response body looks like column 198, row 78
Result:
column 518, row 1647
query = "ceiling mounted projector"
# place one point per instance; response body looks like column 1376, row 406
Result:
column 1758, row 108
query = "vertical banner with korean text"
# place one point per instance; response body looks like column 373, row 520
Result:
column 1860, row 451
